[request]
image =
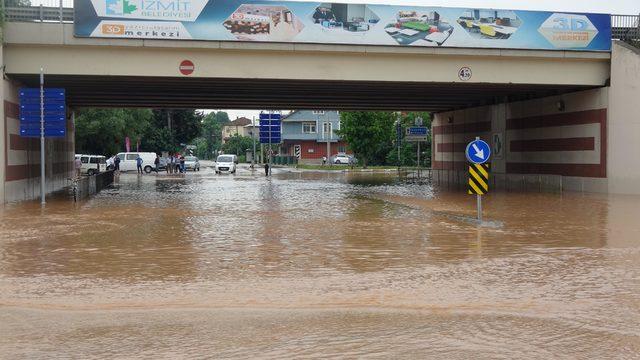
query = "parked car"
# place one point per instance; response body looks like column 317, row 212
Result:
column 128, row 161
column 92, row 164
column 226, row 163
column 163, row 163
column 191, row 163
column 342, row 158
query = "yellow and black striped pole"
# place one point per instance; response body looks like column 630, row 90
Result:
column 478, row 179
column 479, row 183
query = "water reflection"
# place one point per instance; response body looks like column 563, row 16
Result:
column 319, row 263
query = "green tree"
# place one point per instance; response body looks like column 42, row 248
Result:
column 212, row 132
column 103, row 131
column 369, row 134
column 222, row 117
column 184, row 126
column 238, row 145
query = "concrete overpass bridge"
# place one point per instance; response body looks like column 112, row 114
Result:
column 561, row 118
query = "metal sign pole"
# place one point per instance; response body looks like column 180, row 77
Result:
column 418, row 158
column 42, row 157
column 270, row 117
column 398, row 136
column 253, row 137
column 479, row 199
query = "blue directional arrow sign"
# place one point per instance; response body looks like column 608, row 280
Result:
column 478, row 152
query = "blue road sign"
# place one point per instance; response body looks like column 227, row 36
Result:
column 417, row 130
column 478, row 152
column 270, row 128
column 55, row 112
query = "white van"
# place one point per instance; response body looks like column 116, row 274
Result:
column 226, row 163
column 92, row 164
column 128, row 161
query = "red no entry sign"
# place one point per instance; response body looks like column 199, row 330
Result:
column 186, row 67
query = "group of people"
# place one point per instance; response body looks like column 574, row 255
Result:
column 175, row 164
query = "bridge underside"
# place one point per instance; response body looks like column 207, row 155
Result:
column 173, row 92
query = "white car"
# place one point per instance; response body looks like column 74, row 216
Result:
column 191, row 163
column 92, row 164
column 128, row 161
column 226, row 163
column 344, row 159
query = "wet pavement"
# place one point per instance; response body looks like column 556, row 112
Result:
column 318, row 265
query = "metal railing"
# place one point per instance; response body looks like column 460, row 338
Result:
column 43, row 11
column 626, row 28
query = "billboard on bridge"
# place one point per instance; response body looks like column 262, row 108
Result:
column 338, row 23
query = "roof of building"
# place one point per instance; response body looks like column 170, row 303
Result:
column 308, row 115
column 241, row 121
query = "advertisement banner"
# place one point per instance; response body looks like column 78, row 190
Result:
column 338, row 23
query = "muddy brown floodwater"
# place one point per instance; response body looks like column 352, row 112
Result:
column 318, row 265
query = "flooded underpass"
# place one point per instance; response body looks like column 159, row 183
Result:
column 318, row 264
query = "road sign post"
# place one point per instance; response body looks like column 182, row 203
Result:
column 42, row 157
column 42, row 114
column 398, row 140
column 270, row 132
column 478, row 153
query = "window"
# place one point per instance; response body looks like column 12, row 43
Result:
column 121, row 156
column 326, row 127
column 132, row 156
column 308, row 128
column 94, row 160
column 342, row 149
column 84, row 159
column 318, row 112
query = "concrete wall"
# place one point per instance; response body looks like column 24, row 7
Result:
column 623, row 156
column 20, row 157
column 553, row 143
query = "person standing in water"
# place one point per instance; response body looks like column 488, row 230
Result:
column 139, row 162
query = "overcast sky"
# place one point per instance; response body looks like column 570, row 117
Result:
column 596, row 6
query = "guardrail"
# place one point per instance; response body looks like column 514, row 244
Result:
column 45, row 11
column 623, row 27
column 626, row 28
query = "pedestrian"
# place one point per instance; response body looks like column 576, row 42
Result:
column 167, row 163
column 182, row 168
column 324, row 160
column 116, row 165
column 156, row 162
column 78, row 166
column 139, row 162
column 266, row 169
column 172, row 163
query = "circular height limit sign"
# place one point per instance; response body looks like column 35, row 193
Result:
column 186, row 67
column 464, row 74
